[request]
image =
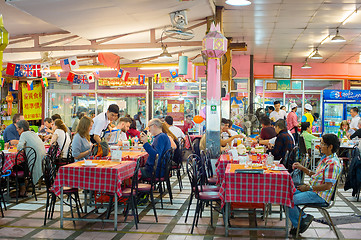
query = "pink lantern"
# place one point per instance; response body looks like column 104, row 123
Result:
column 214, row 44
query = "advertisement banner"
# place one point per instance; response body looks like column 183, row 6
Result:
column 175, row 109
column 32, row 102
column 342, row 94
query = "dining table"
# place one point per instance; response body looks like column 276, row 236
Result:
column 102, row 176
column 265, row 186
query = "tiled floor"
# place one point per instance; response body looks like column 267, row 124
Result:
column 25, row 221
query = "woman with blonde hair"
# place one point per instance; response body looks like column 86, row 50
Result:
column 177, row 157
column 61, row 136
column 81, row 146
column 344, row 131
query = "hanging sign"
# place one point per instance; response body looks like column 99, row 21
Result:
column 32, row 102
column 175, row 109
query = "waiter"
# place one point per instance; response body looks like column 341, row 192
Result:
column 102, row 121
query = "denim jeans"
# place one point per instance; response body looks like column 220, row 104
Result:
column 301, row 198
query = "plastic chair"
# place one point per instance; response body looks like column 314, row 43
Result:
column 322, row 208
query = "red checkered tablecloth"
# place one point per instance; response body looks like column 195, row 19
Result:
column 187, row 144
column 107, row 176
column 221, row 166
column 274, row 187
column 10, row 161
column 127, row 156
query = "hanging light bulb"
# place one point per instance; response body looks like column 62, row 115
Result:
column 338, row 38
column 306, row 65
column 165, row 53
column 316, row 55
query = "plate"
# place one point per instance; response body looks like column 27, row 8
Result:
column 256, row 165
column 6, row 151
column 89, row 164
column 278, row 169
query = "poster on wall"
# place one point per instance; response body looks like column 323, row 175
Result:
column 284, row 85
column 32, row 102
column 175, row 109
column 237, row 112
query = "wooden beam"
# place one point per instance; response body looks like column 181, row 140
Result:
column 152, row 36
column 103, row 46
column 142, row 60
column 58, row 40
column 39, row 34
column 21, row 40
column 219, row 17
column 238, row 46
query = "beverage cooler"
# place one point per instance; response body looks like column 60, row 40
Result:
column 336, row 105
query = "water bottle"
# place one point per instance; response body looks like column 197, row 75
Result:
column 136, row 141
column 270, row 159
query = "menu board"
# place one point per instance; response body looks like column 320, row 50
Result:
column 32, row 102
column 175, row 109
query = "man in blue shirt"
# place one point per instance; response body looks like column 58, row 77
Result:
column 160, row 145
column 11, row 135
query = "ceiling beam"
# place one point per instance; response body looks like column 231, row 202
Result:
column 21, row 40
column 37, row 34
column 142, row 60
column 58, row 40
column 93, row 47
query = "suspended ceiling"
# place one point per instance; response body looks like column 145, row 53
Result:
column 274, row 30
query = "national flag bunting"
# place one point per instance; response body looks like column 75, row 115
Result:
column 44, row 82
column 157, row 78
column 141, row 78
column 83, row 79
column 28, row 70
column 69, row 63
column 2, row 82
column 96, row 74
column 90, row 77
column 70, row 77
column 123, row 74
column 173, row 72
column 18, row 70
column 36, row 70
column 30, row 85
column 10, row 69
column 15, row 85
column 45, row 70
column 64, row 63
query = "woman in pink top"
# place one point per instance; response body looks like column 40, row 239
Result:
column 292, row 123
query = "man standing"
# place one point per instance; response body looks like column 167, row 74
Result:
column 160, row 145
column 102, row 121
column 292, row 123
column 11, row 135
column 284, row 141
column 355, row 118
column 277, row 113
column 175, row 130
column 307, row 116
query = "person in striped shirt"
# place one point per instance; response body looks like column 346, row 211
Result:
column 322, row 183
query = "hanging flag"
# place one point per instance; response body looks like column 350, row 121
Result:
column 70, row 77
column 36, row 70
column 83, row 79
column 90, row 77
column 141, row 78
column 10, row 69
column 2, row 82
column 96, row 74
column 123, row 74
column 27, row 70
column 173, row 72
column 73, row 63
column 30, row 85
column 120, row 73
column 157, row 78
column 44, row 82
column 45, row 70
column 19, row 70
column 15, row 85
column 76, row 79
column 58, row 77
column 64, row 63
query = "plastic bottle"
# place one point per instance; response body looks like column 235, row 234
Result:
column 130, row 142
column 136, row 141
column 339, row 134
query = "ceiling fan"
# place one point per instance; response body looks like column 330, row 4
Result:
column 178, row 29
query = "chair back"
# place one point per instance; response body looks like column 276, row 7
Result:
column 333, row 196
column 135, row 178
column 190, row 141
column 2, row 162
column 49, row 172
column 181, row 143
column 156, row 160
column 302, row 145
column 167, row 160
column 30, row 157
column 195, row 146
column 191, row 168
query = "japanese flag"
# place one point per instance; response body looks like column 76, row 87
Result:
column 73, row 63
column 90, row 77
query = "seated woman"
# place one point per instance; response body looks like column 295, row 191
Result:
column 31, row 139
column 61, row 136
column 81, row 146
column 321, row 185
column 133, row 132
column 344, row 131
column 306, row 131
column 173, row 142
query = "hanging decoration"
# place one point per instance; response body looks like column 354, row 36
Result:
column 123, row 74
column 9, row 99
column 58, row 77
column 15, row 85
column 90, row 77
column 30, row 85
column 157, row 78
column 183, row 65
column 4, row 41
column 69, row 64
column 173, row 72
column 198, row 119
column 2, row 82
column 44, row 82
column 141, row 79
column 45, row 70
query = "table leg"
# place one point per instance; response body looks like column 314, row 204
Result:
column 226, row 212
column 287, row 220
column 61, row 207
column 86, row 201
column 115, row 211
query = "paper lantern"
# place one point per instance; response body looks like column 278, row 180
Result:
column 183, row 65
column 214, row 44
column 198, row 119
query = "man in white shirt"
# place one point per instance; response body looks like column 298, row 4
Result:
column 123, row 125
column 230, row 132
column 102, row 121
column 277, row 113
column 355, row 118
column 175, row 130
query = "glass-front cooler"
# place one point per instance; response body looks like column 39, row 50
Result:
column 333, row 116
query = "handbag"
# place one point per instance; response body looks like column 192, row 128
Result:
column 296, row 176
column 101, row 149
column 59, row 152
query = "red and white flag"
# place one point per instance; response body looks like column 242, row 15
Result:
column 36, row 70
column 15, row 85
column 90, row 77
column 73, row 62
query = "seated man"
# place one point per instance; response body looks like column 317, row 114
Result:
column 174, row 129
column 322, row 182
column 267, row 131
column 283, row 142
column 11, row 135
column 160, row 145
column 358, row 131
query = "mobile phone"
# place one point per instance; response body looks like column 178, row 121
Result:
column 145, row 131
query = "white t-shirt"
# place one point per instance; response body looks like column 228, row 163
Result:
column 122, row 136
column 354, row 121
column 100, row 123
column 278, row 115
column 60, row 141
column 177, row 131
column 225, row 135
